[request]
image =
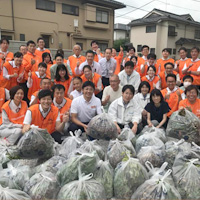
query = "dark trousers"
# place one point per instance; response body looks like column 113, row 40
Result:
column 57, row 136
column 130, row 124
column 25, row 92
column 99, row 95
column 105, row 81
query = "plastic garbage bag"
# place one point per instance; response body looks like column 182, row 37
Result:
column 126, row 134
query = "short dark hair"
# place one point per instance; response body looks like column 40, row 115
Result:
column 153, row 67
column 59, row 68
column 58, row 86
column 144, row 46
column 129, row 63
column 182, row 48
column 88, row 83
column 170, row 75
column 87, row 67
column 89, row 51
column 44, row 93
column 108, row 49
column 14, row 90
column 60, row 51
column 131, row 48
column 59, row 55
column 142, row 84
column 42, row 64
column 4, row 39
column 23, row 45
column 169, row 63
column 30, row 42
column 94, row 41
column 151, row 55
column 156, row 92
column 136, row 58
column 78, row 78
column 40, row 38
column 188, row 77
column 44, row 55
column 45, row 78
column 197, row 48
column 130, row 87
column 167, row 49
column 191, row 87
column 18, row 55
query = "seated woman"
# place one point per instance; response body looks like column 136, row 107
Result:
column 191, row 102
column 77, row 85
column 45, row 116
column 46, row 58
column 62, row 77
column 13, row 112
column 4, row 96
column 157, row 110
column 124, row 111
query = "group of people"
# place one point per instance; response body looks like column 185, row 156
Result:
column 63, row 95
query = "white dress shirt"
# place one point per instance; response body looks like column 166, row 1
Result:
column 107, row 67
column 142, row 100
column 76, row 93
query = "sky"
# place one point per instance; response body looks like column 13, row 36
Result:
column 138, row 8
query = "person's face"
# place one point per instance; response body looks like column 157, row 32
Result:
column 47, row 59
column 87, row 73
column 18, row 61
column 108, row 54
column 194, row 54
column 114, row 82
column 114, row 53
column 4, row 45
column 46, row 102
column 77, row 84
column 41, row 44
column 94, row 46
column 169, row 69
column 62, row 73
column 171, row 83
column 187, row 82
column 128, row 70
column 165, row 54
column 183, row 54
column 191, row 95
column 88, row 92
column 46, row 84
column 151, row 61
column 31, row 48
column 23, row 49
column 77, row 50
column 144, row 90
column 134, row 60
column 131, row 52
column 59, row 94
column 19, row 95
column 41, row 70
column 151, row 72
column 156, row 99
column 90, row 57
column 145, row 51
column 59, row 60
column 127, row 95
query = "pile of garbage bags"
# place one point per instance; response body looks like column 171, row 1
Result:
column 151, row 165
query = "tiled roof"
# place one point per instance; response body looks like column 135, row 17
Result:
column 182, row 41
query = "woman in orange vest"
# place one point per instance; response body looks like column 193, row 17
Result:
column 151, row 78
column 46, row 58
column 45, row 116
column 4, row 95
column 93, row 77
column 62, row 77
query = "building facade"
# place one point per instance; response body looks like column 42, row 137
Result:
column 121, row 31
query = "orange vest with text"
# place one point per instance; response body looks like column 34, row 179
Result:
column 49, row 122
column 39, row 53
column 161, row 63
column 154, row 81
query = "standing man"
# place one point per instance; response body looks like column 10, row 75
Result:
column 76, row 59
column 23, row 49
column 95, row 48
column 108, row 66
column 118, row 59
column 145, row 52
column 130, row 53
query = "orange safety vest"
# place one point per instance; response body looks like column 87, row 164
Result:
column 39, row 53
column 73, row 63
column 172, row 101
column 163, row 79
column 181, row 66
column 15, row 118
column 49, row 122
column 162, row 63
column 154, row 81
column 2, row 97
column 48, row 73
column 64, row 61
column 118, row 60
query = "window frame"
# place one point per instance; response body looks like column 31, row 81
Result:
column 53, row 2
column 197, row 36
column 150, row 30
column 101, row 10
column 65, row 13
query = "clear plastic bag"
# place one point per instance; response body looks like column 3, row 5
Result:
column 42, row 186
column 157, row 188
column 71, row 143
column 102, row 127
column 129, row 175
column 184, row 124
column 13, row 194
column 126, row 134
column 69, row 171
column 117, row 150
column 36, row 143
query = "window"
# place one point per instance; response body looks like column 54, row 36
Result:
column 22, row 37
column 152, row 50
column 139, row 48
column 171, row 31
column 197, row 34
column 103, row 46
column 102, row 16
column 150, row 29
column 46, row 40
column 46, row 5
column 70, row 10
column 9, row 37
column 174, row 51
column 170, row 50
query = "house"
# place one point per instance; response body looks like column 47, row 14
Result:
column 61, row 23
column 160, row 29
column 121, row 31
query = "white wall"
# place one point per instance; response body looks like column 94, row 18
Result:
column 119, row 34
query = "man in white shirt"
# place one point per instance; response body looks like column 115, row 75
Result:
column 89, row 61
column 129, row 76
column 108, row 66
column 84, row 108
